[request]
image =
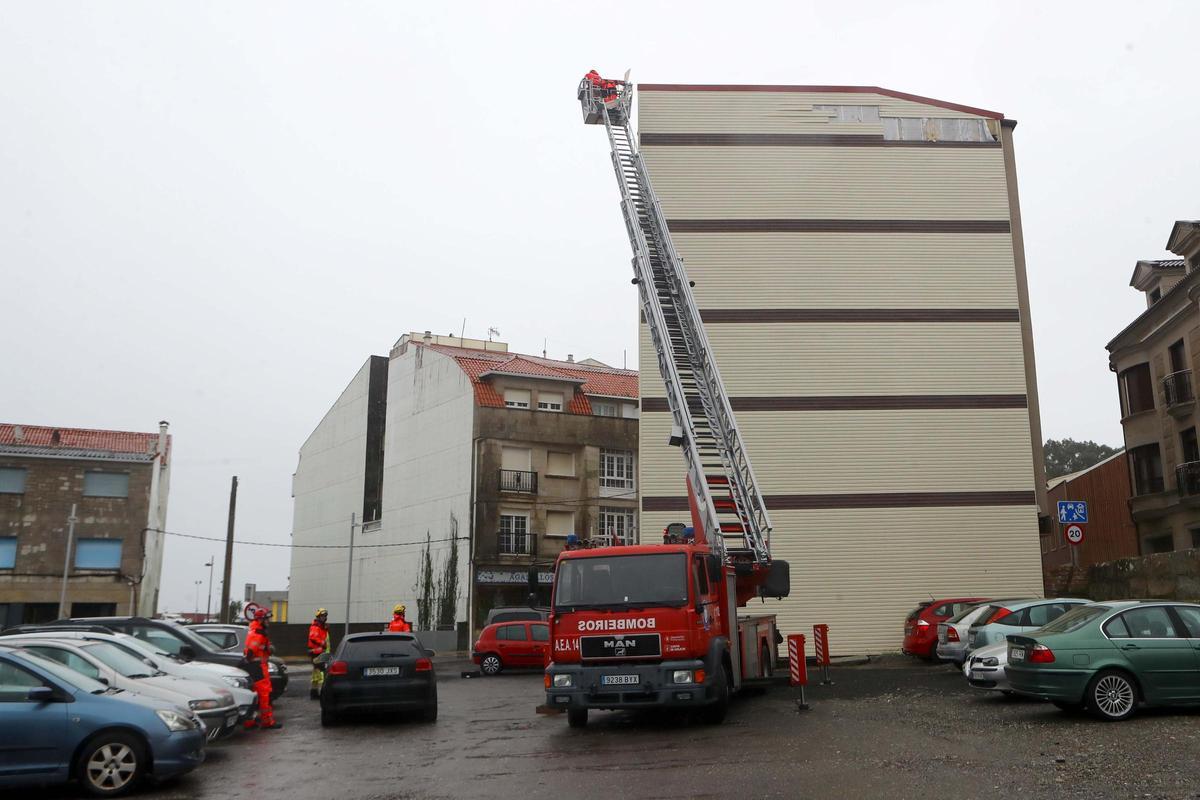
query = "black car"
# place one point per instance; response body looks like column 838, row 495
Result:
column 385, row 672
column 176, row 640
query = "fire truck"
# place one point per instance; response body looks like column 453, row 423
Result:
column 657, row 625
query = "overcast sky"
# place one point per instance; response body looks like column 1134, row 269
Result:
column 212, row 213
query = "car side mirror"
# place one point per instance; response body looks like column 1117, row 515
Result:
column 103, row 680
column 187, row 653
column 41, row 694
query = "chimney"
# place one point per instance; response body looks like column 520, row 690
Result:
column 162, row 438
column 56, row 438
column 18, row 434
column 428, row 337
column 570, row 358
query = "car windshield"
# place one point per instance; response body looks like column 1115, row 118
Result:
column 64, row 674
column 916, row 612
column 148, row 648
column 1074, row 619
column 658, row 579
column 119, row 660
column 987, row 613
column 960, row 616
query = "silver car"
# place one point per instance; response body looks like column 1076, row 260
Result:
column 114, row 666
column 952, row 634
column 223, row 636
column 985, row 669
column 1001, row 618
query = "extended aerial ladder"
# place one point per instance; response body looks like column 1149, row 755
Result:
column 723, row 492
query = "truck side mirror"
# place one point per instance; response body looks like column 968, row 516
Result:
column 779, row 581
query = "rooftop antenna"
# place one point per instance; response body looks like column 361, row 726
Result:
column 463, row 332
column 544, row 347
column 624, row 359
column 493, row 332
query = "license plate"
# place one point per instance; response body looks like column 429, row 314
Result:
column 230, row 720
column 1016, row 654
column 971, row 639
column 619, row 680
column 371, row 672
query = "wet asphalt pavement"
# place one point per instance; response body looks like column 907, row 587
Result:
column 893, row 729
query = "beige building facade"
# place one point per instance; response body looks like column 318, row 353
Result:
column 1155, row 359
column 858, row 263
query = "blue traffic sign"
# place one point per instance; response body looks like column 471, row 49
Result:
column 1072, row 511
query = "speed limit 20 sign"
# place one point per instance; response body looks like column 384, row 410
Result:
column 1074, row 534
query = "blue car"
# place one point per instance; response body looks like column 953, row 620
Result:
column 58, row 725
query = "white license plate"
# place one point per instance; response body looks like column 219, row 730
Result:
column 371, row 672
column 619, row 680
column 1016, row 654
column 230, row 719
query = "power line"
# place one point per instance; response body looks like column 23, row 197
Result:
column 305, row 546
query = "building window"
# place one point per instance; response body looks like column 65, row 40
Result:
column 516, row 398
column 8, row 552
column 560, row 464
column 105, row 484
column 616, row 469
column 12, row 480
column 98, row 554
column 560, row 523
column 1163, row 543
column 550, row 401
column 618, row 524
column 1137, row 389
column 1195, row 532
column 1147, row 469
column 1191, row 448
column 629, row 410
column 603, row 408
column 1155, row 295
column 514, row 534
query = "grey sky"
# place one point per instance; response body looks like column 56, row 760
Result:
column 213, row 212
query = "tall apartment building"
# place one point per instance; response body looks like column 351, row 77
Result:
column 858, row 261
column 1154, row 358
column 117, row 483
column 483, row 458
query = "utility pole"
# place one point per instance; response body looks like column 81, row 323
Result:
column 197, row 606
column 62, row 596
column 349, row 574
column 208, row 608
column 229, row 552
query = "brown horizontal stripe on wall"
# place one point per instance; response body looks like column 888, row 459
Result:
column 861, row 402
column 838, row 225
column 791, row 140
column 785, row 502
column 762, row 315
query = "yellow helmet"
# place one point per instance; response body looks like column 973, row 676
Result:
column 321, row 613
column 399, row 608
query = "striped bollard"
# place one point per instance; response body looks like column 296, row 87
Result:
column 797, row 667
column 821, row 646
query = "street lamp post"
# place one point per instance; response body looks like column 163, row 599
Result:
column 208, row 609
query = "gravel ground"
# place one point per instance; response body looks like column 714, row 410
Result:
column 890, row 729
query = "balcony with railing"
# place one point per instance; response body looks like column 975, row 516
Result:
column 516, row 543
column 1177, row 391
column 517, row 480
column 1187, row 478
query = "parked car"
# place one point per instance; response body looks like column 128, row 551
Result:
column 1001, row 619
column 515, row 614
column 211, row 674
column 506, row 645
column 920, row 626
column 58, row 725
column 1109, row 657
column 378, row 672
column 113, row 666
column 952, row 634
column 984, row 668
column 180, row 641
column 222, row 636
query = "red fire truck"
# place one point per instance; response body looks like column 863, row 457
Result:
column 654, row 625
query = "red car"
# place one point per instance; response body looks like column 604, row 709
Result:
column 504, row 645
column 920, row 627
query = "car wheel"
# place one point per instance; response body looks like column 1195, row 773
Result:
column 111, row 764
column 1112, row 696
column 490, row 664
column 714, row 713
column 768, row 663
column 577, row 717
column 328, row 718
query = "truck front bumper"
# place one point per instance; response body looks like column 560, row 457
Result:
column 654, row 687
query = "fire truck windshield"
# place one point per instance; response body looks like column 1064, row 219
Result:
column 658, row 579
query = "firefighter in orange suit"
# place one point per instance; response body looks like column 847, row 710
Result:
column 257, row 664
column 318, row 643
column 399, row 624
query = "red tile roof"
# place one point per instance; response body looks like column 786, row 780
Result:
column 78, row 442
column 591, row 380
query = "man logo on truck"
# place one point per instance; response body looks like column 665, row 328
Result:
column 639, row 624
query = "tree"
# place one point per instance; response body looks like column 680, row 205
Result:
column 235, row 610
column 425, row 590
column 1064, row 456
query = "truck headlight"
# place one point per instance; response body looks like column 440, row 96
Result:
column 562, row 681
column 682, row 676
column 174, row 721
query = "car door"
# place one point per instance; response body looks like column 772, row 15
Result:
column 521, row 646
column 1161, row 656
column 1190, row 617
column 30, row 731
column 540, row 636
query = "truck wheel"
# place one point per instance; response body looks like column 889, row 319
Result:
column 714, row 713
column 577, row 717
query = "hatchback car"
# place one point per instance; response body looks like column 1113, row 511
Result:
column 1109, row 657
column 515, row 614
column 223, row 637
column 952, row 634
column 378, row 672
column 920, row 627
column 507, row 645
column 1000, row 619
column 57, row 725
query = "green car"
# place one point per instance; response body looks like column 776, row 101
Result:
column 1109, row 657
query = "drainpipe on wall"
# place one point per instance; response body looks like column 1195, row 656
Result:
column 471, row 542
column 152, row 539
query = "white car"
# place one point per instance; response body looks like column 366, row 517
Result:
column 116, row 667
column 985, row 669
column 952, row 634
